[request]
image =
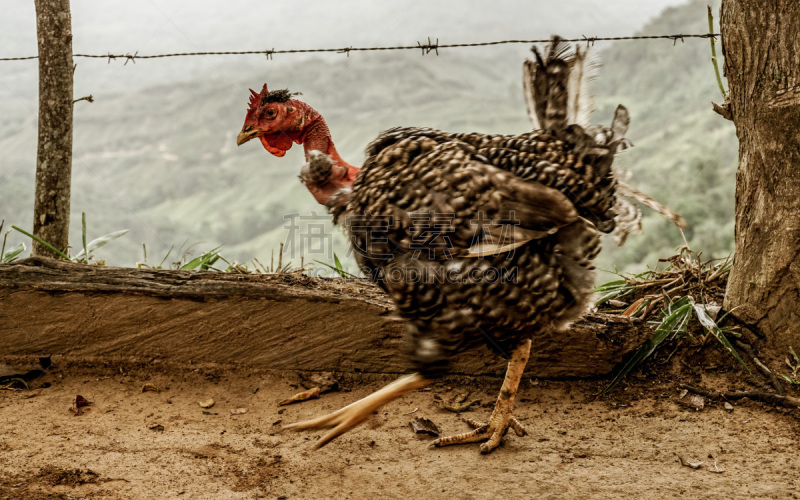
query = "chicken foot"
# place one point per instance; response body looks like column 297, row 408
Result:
column 502, row 417
column 353, row 414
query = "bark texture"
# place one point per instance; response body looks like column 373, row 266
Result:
column 285, row 321
column 761, row 46
column 54, row 155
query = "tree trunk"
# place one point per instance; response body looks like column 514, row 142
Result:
column 761, row 46
column 54, row 155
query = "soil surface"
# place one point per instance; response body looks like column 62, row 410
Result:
column 163, row 444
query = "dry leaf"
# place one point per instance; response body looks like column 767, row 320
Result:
column 312, row 393
column 459, row 403
column 208, row 403
column 422, row 425
column 713, row 310
column 150, row 388
column 691, row 465
column 79, row 403
column 633, row 307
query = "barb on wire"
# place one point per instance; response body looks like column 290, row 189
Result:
column 426, row 48
column 131, row 58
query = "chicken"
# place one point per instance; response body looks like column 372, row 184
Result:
column 478, row 239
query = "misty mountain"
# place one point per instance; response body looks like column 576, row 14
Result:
column 155, row 153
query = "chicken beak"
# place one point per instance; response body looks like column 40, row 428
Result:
column 246, row 134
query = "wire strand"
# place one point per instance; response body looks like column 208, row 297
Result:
column 424, row 47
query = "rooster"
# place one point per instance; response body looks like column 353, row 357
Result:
column 478, row 239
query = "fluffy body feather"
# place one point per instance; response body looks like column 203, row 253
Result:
column 425, row 199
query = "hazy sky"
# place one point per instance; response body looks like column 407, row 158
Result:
column 163, row 26
column 181, row 25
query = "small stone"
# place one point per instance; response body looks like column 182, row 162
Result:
column 697, row 402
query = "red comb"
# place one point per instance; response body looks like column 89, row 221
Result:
column 254, row 99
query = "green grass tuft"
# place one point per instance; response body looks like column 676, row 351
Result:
column 685, row 289
column 337, row 267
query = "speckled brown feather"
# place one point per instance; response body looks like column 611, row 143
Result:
column 550, row 191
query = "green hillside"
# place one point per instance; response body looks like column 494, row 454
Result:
column 685, row 154
column 162, row 160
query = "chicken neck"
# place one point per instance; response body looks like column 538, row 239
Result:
column 316, row 136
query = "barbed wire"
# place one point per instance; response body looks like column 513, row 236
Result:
column 425, row 48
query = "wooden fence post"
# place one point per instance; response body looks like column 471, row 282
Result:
column 54, row 155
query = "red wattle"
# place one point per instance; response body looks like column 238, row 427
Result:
column 277, row 144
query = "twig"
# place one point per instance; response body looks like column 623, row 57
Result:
column 720, row 270
column 769, row 397
column 724, row 110
column 770, row 374
column 89, row 98
column 677, row 346
column 714, row 52
column 746, row 348
column 264, row 269
column 5, row 237
column 761, row 366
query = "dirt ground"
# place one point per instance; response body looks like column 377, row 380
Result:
column 135, row 444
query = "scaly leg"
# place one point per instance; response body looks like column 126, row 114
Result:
column 353, row 414
column 502, row 417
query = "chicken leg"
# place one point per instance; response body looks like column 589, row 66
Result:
column 353, row 414
column 502, row 417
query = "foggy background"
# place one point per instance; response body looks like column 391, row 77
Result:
column 155, row 153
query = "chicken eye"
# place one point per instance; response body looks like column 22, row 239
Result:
column 271, row 114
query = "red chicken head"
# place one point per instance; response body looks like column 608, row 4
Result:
column 275, row 118
column 278, row 120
